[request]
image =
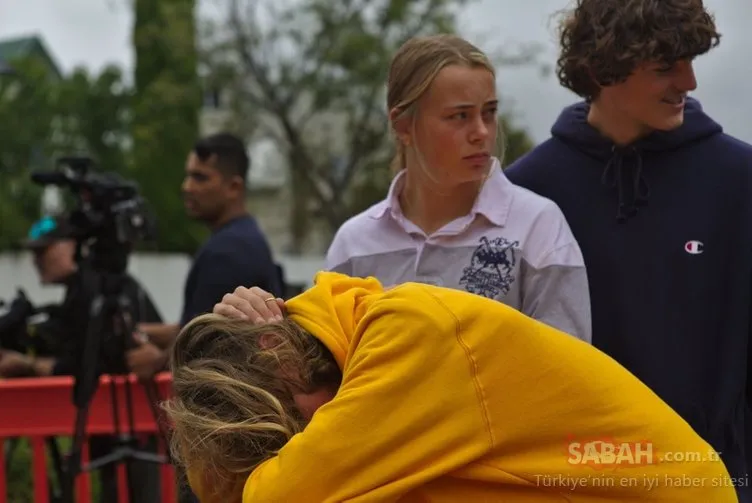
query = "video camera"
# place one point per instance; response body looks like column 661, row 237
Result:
column 20, row 323
column 110, row 216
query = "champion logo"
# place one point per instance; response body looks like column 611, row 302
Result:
column 693, row 247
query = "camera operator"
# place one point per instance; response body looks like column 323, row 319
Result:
column 50, row 239
column 54, row 253
column 54, row 249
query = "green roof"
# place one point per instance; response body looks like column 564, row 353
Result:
column 23, row 47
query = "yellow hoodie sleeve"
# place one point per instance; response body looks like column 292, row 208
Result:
column 403, row 415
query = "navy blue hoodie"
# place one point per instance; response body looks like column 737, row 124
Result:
column 665, row 227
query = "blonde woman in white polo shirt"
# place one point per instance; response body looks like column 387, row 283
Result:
column 451, row 216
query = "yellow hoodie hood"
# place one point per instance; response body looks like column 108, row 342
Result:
column 332, row 310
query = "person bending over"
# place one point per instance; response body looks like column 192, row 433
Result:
column 370, row 394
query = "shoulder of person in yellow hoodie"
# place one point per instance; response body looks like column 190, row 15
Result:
column 447, row 396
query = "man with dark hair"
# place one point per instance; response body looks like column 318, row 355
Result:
column 231, row 158
column 237, row 252
column 660, row 200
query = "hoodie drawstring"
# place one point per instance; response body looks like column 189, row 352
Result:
column 613, row 176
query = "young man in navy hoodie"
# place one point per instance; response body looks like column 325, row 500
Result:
column 660, row 201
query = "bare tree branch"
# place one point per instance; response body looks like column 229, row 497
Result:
column 258, row 71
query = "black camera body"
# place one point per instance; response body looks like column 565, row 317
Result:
column 28, row 328
column 110, row 216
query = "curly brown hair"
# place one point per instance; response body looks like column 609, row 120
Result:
column 233, row 405
column 604, row 41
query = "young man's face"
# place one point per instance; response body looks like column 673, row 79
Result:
column 651, row 99
column 206, row 191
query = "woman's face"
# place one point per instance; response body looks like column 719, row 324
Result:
column 455, row 127
column 307, row 402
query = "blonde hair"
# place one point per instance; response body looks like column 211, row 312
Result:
column 232, row 405
column 414, row 67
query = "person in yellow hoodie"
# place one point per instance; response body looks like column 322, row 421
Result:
column 419, row 393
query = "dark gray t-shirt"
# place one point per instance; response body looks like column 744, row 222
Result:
column 236, row 254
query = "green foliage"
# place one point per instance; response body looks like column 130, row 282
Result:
column 27, row 108
column 98, row 115
column 165, row 110
column 298, row 65
column 517, row 140
column 93, row 114
column 19, row 473
column 42, row 118
column 143, row 134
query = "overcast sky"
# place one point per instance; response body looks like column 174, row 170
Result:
column 97, row 32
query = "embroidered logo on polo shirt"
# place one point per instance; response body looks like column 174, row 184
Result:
column 491, row 269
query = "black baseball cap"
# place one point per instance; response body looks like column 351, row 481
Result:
column 47, row 230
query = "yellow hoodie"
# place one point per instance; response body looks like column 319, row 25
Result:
column 451, row 397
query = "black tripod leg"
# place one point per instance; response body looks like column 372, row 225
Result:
column 133, row 444
column 84, row 388
column 57, row 465
column 73, row 465
column 152, row 396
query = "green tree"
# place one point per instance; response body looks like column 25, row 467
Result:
column 165, row 110
column 93, row 117
column 42, row 118
column 517, row 140
column 26, row 117
column 300, row 66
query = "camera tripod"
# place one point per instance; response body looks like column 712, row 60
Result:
column 108, row 337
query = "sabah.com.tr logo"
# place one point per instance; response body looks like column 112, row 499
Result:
column 611, row 453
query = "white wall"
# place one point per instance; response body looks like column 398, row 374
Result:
column 163, row 275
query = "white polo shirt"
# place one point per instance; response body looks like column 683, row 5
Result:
column 514, row 246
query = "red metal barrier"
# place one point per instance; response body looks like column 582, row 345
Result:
column 38, row 408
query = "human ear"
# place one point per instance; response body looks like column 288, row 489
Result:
column 401, row 125
column 237, row 184
column 268, row 340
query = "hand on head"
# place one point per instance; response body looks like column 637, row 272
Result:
column 253, row 304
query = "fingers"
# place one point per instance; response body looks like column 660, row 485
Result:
column 131, row 358
column 140, row 337
column 228, row 310
column 257, row 298
column 251, row 304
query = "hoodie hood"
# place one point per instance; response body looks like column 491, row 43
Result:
column 332, row 309
column 623, row 165
column 573, row 128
